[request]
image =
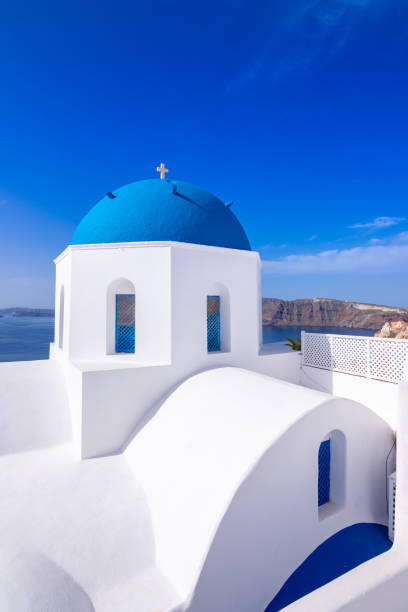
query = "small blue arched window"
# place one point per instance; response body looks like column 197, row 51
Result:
column 213, row 323
column 125, row 323
column 324, row 473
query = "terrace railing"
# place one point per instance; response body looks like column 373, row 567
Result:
column 379, row 358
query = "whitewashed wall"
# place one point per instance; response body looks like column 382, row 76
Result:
column 365, row 369
column 380, row 583
column 63, row 283
column 89, row 311
column 229, row 466
column 171, row 283
column 118, row 393
column 200, row 271
column 379, row 396
column 118, row 403
column 34, row 408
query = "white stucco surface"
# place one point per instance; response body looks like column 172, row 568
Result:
column 241, row 480
column 380, row 396
column 113, row 395
column 87, row 521
column 381, row 583
column 34, row 408
column 199, row 492
column 75, row 535
column 196, row 511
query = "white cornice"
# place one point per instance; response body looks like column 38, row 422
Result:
column 138, row 245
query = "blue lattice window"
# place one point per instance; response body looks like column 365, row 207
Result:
column 213, row 323
column 125, row 323
column 324, row 473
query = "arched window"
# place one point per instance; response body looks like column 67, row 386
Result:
column 213, row 323
column 218, row 319
column 125, row 323
column 120, row 319
column 61, row 319
column 323, row 487
column 331, row 486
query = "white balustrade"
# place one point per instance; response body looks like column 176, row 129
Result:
column 379, row 358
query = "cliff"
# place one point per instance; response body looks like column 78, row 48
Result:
column 393, row 329
column 286, row 313
column 320, row 311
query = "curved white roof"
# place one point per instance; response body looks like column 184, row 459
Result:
column 162, row 523
column 199, row 448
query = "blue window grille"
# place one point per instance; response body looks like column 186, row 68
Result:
column 125, row 323
column 324, row 473
column 213, row 323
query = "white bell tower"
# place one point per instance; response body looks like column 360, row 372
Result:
column 136, row 317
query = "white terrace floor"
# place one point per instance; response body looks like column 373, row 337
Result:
column 70, row 530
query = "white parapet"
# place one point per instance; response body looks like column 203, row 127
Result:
column 377, row 358
column 365, row 369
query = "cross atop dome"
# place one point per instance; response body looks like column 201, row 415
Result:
column 162, row 169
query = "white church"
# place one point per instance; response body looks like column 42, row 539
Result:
column 164, row 460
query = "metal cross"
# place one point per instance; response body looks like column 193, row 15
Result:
column 162, row 169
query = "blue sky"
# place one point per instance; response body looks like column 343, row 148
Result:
column 295, row 110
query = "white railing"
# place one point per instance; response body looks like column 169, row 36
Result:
column 379, row 358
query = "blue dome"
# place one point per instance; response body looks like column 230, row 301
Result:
column 161, row 210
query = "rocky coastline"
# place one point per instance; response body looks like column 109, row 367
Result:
column 296, row 313
column 393, row 329
column 326, row 312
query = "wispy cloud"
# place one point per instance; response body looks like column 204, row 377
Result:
column 267, row 247
column 307, row 31
column 313, row 237
column 378, row 223
column 368, row 259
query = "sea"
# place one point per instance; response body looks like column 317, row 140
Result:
column 25, row 338
column 28, row 338
column 278, row 334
